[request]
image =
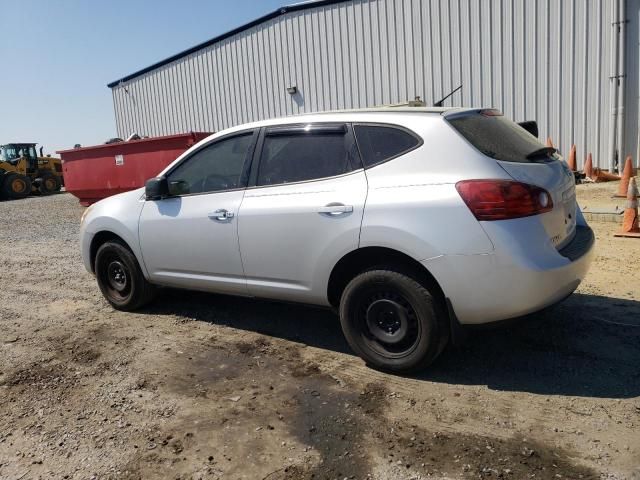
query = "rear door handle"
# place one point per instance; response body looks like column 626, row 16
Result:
column 221, row 215
column 335, row 210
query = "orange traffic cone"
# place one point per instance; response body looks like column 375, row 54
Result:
column 630, row 226
column 572, row 159
column 626, row 176
column 602, row 176
column 588, row 167
column 549, row 142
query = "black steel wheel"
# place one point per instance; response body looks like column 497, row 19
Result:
column 392, row 321
column 120, row 278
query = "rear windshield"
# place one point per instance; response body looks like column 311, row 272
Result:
column 500, row 138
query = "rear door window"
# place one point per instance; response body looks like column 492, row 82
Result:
column 379, row 143
column 300, row 153
column 498, row 137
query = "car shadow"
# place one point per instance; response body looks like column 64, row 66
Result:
column 586, row 346
column 314, row 326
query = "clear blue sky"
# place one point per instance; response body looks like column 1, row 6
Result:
column 58, row 56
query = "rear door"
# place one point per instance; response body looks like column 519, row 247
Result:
column 302, row 211
column 526, row 160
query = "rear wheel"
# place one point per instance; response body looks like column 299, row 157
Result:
column 49, row 183
column 16, row 186
column 392, row 321
column 120, row 278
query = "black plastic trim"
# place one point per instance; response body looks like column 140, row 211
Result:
column 255, row 160
column 276, row 13
column 307, row 129
column 458, row 335
column 580, row 245
column 530, row 126
column 248, row 161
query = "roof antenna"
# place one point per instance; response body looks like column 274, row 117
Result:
column 441, row 101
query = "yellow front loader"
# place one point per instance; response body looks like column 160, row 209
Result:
column 23, row 172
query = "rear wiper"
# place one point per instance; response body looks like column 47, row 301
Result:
column 541, row 152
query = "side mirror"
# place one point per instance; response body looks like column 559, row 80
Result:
column 156, row 188
column 530, row 126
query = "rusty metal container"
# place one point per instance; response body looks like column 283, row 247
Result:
column 97, row 172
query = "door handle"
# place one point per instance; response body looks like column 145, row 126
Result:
column 335, row 210
column 221, row 214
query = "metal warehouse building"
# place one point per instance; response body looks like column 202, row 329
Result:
column 572, row 65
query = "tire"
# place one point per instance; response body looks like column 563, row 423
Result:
column 49, row 183
column 120, row 279
column 392, row 321
column 16, row 186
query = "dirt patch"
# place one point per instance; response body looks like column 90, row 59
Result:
column 258, row 346
column 83, row 355
column 39, row 376
column 340, row 433
column 440, row 454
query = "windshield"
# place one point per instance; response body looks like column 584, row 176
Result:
column 500, row 138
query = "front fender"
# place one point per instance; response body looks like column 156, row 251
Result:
column 118, row 215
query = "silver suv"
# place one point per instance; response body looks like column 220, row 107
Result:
column 409, row 222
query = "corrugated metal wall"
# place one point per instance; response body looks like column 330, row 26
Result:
column 547, row 60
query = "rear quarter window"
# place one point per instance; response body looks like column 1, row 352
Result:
column 498, row 137
column 379, row 143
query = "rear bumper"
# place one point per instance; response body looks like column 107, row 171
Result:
column 515, row 279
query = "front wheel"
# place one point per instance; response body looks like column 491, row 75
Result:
column 120, row 278
column 393, row 322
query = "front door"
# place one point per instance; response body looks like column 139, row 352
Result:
column 190, row 239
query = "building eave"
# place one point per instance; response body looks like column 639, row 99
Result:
column 265, row 18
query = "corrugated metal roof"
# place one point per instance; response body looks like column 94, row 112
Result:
column 276, row 13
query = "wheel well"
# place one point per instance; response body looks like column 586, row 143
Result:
column 99, row 239
column 368, row 257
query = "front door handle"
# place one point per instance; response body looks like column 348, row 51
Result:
column 221, row 215
column 335, row 210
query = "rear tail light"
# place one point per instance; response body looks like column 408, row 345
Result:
column 503, row 199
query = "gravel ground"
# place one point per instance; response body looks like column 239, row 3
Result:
column 206, row 386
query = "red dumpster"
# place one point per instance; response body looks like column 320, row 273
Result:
column 97, row 172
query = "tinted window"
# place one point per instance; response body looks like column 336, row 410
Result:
column 499, row 137
column 378, row 143
column 287, row 158
column 214, row 168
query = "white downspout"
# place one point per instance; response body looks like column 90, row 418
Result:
column 613, row 83
column 622, row 13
